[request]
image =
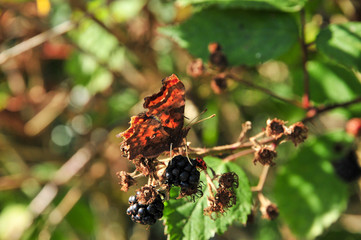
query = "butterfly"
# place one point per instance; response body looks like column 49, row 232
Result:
column 160, row 127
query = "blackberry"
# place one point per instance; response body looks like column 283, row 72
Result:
column 181, row 172
column 348, row 168
column 146, row 214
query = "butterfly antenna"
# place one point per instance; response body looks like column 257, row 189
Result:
column 203, row 112
column 201, row 120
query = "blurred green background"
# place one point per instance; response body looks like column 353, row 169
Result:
column 64, row 99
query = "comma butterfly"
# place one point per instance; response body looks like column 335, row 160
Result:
column 154, row 131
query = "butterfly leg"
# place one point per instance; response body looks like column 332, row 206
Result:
column 170, row 151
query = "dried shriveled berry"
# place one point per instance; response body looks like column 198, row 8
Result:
column 125, row 180
column 224, row 199
column 270, row 211
column 275, row 128
column 265, row 156
column 228, row 180
column 297, row 133
column 146, row 194
column 196, row 68
column 146, row 166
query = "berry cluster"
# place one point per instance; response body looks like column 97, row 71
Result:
column 182, row 172
column 146, row 214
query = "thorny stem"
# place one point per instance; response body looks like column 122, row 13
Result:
column 306, row 78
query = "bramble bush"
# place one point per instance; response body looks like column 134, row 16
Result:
column 278, row 157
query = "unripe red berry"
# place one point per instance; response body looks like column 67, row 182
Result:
column 353, row 127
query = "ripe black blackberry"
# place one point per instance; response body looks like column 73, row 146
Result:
column 146, row 214
column 181, row 172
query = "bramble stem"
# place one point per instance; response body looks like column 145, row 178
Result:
column 324, row 108
column 262, row 179
column 238, row 154
column 245, row 128
column 306, row 77
column 262, row 199
column 224, row 149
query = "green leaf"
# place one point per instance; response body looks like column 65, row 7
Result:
column 246, row 37
column 185, row 220
column 342, row 43
column 329, row 83
column 100, row 81
column 284, row 5
column 309, row 195
column 93, row 39
column 125, row 10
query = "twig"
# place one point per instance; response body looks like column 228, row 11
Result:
column 321, row 109
column 46, row 116
column 265, row 90
column 245, row 128
column 306, row 77
column 238, row 154
column 262, row 179
column 225, row 148
column 35, row 41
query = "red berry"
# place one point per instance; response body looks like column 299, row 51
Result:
column 353, row 127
